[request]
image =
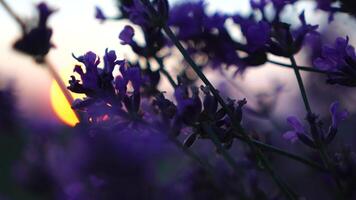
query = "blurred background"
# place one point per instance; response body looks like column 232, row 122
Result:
column 75, row 30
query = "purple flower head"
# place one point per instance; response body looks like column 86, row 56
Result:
column 99, row 14
column 126, row 35
column 35, row 41
column 95, row 82
column 140, row 15
column 336, row 115
column 340, row 61
column 286, row 42
column 188, row 17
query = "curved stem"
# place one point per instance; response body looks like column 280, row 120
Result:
column 303, row 68
column 165, row 72
column 282, row 152
column 52, row 70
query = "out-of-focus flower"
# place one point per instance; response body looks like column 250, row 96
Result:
column 286, row 42
column 36, row 41
column 99, row 14
column 8, row 116
column 340, row 61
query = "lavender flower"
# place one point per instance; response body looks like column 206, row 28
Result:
column 340, row 61
column 36, row 41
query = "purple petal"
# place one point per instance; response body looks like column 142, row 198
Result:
column 296, row 124
column 99, row 14
column 336, row 115
column 126, row 35
column 109, row 61
column 290, row 136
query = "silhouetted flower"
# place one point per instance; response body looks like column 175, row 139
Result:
column 36, row 41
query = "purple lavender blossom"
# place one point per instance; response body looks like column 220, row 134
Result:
column 340, row 61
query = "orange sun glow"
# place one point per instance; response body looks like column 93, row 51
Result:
column 60, row 105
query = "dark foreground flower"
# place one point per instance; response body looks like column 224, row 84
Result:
column 36, row 41
column 340, row 61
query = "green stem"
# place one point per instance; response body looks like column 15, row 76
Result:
column 165, row 72
column 301, row 85
column 273, row 149
column 14, row 15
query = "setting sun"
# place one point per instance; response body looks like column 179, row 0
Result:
column 59, row 102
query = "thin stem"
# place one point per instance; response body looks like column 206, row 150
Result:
column 303, row 68
column 60, row 83
column 301, row 85
column 13, row 15
column 165, row 72
column 315, row 135
column 274, row 149
column 236, row 125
